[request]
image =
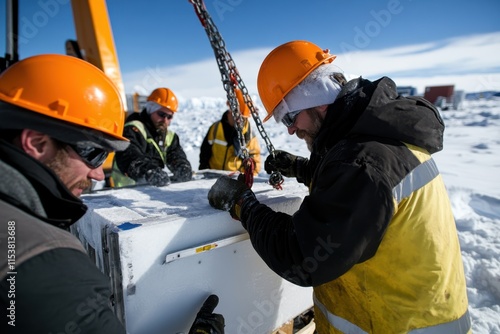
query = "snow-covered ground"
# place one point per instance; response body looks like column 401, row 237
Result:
column 469, row 163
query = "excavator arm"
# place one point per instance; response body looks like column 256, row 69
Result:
column 95, row 38
column 96, row 45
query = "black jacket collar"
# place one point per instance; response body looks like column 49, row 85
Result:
column 62, row 208
column 145, row 119
column 366, row 108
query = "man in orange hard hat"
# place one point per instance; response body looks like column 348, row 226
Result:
column 60, row 117
column 375, row 237
column 153, row 146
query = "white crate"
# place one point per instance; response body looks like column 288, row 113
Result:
column 145, row 240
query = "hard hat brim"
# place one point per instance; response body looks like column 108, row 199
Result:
column 15, row 117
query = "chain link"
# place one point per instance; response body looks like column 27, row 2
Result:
column 231, row 80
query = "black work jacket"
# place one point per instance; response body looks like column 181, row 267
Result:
column 142, row 156
column 357, row 158
column 58, row 288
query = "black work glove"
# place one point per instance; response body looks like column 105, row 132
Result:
column 182, row 174
column 284, row 162
column 228, row 194
column 157, row 177
column 207, row 322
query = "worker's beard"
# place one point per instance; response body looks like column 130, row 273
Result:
column 160, row 138
column 60, row 166
column 309, row 135
column 161, row 126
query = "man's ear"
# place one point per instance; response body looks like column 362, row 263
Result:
column 323, row 107
column 36, row 144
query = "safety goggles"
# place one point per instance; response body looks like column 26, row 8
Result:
column 92, row 156
column 165, row 115
column 289, row 118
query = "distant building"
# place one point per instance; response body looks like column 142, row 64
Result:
column 445, row 97
column 407, row 90
column 438, row 94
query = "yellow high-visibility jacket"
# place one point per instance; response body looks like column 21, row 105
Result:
column 217, row 152
column 416, row 278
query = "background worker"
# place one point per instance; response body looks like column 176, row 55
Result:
column 375, row 237
column 153, row 146
column 61, row 116
column 221, row 148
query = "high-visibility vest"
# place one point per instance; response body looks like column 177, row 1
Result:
column 404, row 288
column 118, row 179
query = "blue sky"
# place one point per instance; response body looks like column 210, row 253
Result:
column 167, row 34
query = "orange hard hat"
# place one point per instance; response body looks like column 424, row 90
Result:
column 164, row 97
column 68, row 90
column 285, row 67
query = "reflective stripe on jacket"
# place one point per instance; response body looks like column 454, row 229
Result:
column 121, row 180
column 404, row 288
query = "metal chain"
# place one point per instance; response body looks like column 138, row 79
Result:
column 231, row 79
column 226, row 66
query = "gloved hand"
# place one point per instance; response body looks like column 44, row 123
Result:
column 283, row 162
column 157, row 177
column 227, row 194
column 207, row 322
column 182, row 174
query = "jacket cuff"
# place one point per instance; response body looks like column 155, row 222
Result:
column 245, row 203
column 301, row 169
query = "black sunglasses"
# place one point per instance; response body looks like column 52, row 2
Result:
column 165, row 115
column 92, row 156
column 289, row 119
